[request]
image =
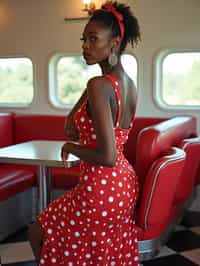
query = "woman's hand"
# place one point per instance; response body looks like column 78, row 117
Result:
column 70, row 129
column 65, row 152
column 66, row 149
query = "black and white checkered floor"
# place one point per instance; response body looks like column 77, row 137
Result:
column 182, row 249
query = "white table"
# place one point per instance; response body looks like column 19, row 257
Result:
column 42, row 153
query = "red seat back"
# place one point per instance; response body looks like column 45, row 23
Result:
column 38, row 127
column 157, row 196
column 6, row 129
column 138, row 124
column 154, row 140
column 187, row 180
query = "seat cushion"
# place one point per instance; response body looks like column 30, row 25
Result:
column 61, row 178
column 13, row 181
column 197, row 178
column 65, row 178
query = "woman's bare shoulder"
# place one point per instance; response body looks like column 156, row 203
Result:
column 98, row 84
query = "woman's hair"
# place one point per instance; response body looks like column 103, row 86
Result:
column 131, row 26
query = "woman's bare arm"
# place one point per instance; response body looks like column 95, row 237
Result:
column 105, row 151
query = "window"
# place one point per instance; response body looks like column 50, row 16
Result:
column 180, row 82
column 69, row 75
column 16, row 81
column 72, row 76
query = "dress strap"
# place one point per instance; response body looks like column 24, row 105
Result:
column 118, row 95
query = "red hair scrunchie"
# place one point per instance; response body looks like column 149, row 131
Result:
column 110, row 8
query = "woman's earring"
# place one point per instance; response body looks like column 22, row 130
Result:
column 112, row 58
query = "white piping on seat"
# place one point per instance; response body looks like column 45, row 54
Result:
column 178, row 156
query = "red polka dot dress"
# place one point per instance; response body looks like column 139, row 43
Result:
column 93, row 224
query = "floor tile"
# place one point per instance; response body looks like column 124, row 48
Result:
column 193, row 255
column 20, row 236
column 196, row 230
column 173, row 260
column 180, row 227
column 191, row 219
column 16, row 252
column 183, row 241
column 165, row 251
column 21, row 264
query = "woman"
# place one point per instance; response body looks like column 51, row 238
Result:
column 93, row 224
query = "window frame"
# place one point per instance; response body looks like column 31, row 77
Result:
column 21, row 105
column 158, row 80
column 52, row 80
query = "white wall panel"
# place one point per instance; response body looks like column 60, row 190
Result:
column 36, row 28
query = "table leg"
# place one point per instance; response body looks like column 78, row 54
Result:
column 49, row 189
column 44, row 175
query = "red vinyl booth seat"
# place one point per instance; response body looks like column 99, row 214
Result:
column 14, row 180
column 46, row 127
column 139, row 124
column 152, row 141
column 187, row 181
column 6, row 129
column 197, row 178
column 17, row 128
column 38, row 127
column 155, row 208
column 65, row 178
column 162, row 169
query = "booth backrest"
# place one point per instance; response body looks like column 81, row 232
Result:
column 138, row 124
column 6, row 129
column 154, row 140
column 159, row 189
column 191, row 147
column 38, row 127
column 197, row 177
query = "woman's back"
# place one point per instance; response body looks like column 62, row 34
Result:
column 128, row 95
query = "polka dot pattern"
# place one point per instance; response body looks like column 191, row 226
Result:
column 92, row 224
